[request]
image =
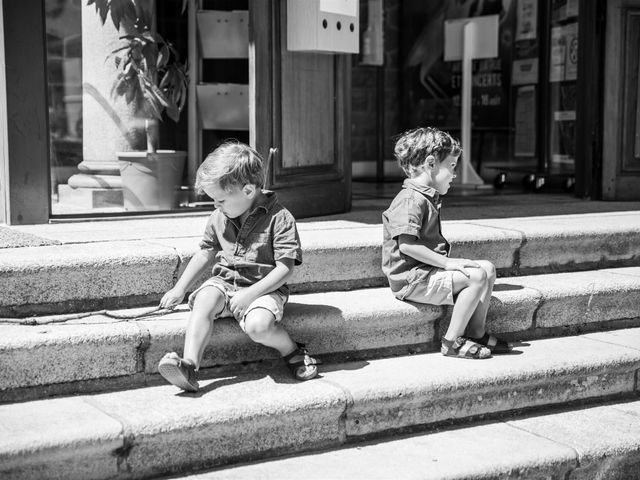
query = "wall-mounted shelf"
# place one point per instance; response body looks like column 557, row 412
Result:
column 219, row 64
column 223, row 106
column 223, row 34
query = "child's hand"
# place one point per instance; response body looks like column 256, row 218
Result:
column 172, row 298
column 460, row 265
column 240, row 301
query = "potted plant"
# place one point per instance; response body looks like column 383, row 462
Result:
column 151, row 78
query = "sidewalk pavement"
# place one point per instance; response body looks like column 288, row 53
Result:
column 369, row 201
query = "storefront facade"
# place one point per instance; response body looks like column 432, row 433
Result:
column 71, row 133
column 556, row 106
column 557, row 109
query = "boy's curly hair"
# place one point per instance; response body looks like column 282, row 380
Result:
column 414, row 146
column 231, row 164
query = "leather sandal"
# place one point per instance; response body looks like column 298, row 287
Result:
column 493, row 343
column 464, row 348
column 301, row 364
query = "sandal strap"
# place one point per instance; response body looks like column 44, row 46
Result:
column 468, row 347
column 464, row 347
column 492, row 341
column 301, row 351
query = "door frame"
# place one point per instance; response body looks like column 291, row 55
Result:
column 306, row 191
column 25, row 193
column 618, row 182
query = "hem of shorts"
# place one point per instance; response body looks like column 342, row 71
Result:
column 402, row 295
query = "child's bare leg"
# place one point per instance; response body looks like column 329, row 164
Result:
column 261, row 326
column 476, row 327
column 208, row 302
column 470, row 291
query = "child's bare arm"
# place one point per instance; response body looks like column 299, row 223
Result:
column 195, row 268
column 270, row 283
column 410, row 246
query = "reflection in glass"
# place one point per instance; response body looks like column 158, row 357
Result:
column 64, row 69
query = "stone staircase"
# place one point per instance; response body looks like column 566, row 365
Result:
column 81, row 398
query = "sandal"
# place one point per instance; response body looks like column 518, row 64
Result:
column 301, row 364
column 493, row 343
column 464, row 348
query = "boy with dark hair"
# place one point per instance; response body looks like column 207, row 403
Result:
column 415, row 255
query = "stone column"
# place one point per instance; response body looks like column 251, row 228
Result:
column 108, row 124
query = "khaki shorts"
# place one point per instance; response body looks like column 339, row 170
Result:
column 274, row 301
column 435, row 289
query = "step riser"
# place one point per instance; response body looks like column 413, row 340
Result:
column 129, row 352
column 128, row 274
column 346, row 404
column 360, row 324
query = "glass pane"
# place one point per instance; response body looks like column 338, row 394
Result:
column 109, row 155
column 504, row 89
column 64, row 69
column 563, row 75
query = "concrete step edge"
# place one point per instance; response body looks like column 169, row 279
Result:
column 153, row 431
column 98, row 353
column 596, row 441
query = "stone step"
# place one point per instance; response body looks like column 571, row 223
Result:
column 100, row 353
column 585, row 442
column 124, row 266
column 156, row 430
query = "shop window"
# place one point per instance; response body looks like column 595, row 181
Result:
column 563, row 76
column 523, row 107
column 433, row 86
column 91, row 119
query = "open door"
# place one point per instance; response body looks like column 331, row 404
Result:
column 299, row 105
column 621, row 135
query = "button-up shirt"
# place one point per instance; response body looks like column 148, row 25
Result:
column 247, row 252
column 414, row 211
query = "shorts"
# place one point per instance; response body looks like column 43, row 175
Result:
column 436, row 288
column 274, row 301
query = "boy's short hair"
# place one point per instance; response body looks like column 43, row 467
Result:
column 414, row 146
column 231, row 164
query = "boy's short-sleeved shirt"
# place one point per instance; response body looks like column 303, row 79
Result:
column 246, row 253
column 414, row 211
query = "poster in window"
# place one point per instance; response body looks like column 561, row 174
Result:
column 527, row 20
column 558, row 10
column 524, row 71
column 558, row 55
column 572, row 8
column 571, row 41
column 525, row 122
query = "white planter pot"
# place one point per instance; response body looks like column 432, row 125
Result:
column 151, row 181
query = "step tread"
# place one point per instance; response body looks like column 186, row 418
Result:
column 134, row 267
column 331, row 323
column 253, row 415
column 593, row 442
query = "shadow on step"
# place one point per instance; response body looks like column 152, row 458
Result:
column 277, row 374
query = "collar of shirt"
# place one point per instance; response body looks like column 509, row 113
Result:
column 428, row 192
column 266, row 202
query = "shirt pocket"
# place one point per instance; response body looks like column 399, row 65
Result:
column 259, row 248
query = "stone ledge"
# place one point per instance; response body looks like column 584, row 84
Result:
column 337, row 255
column 586, row 442
column 256, row 416
column 359, row 324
